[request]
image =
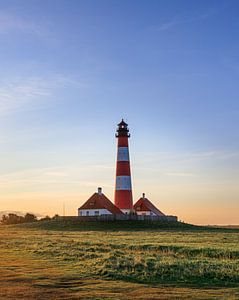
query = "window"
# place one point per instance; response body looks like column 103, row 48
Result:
column 87, row 213
column 97, row 213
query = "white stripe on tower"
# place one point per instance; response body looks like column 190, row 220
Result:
column 123, row 183
column 123, row 154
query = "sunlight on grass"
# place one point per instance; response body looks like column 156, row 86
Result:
column 187, row 261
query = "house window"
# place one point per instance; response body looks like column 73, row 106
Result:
column 97, row 213
column 87, row 213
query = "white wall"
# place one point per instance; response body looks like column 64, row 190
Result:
column 145, row 213
column 126, row 211
column 91, row 212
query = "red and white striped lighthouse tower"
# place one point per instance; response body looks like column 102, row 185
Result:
column 123, row 187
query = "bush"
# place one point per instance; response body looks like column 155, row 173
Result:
column 15, row 219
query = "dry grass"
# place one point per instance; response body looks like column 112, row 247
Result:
column 40, row 264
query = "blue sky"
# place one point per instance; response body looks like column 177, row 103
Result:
column 70, row 70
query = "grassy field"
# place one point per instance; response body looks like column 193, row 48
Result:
column 64, row 260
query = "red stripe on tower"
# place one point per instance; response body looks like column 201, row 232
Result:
column 123, row 188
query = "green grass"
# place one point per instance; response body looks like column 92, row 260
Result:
column 140, row 256
column 73, row 223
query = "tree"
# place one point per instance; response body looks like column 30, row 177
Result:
column 55, row 217
column 12, row 219
column 30, row 218
column 46, row 218
column 4, row 219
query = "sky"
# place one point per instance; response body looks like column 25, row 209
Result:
column 71, row 69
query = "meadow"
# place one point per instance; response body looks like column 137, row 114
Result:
column 62, row 260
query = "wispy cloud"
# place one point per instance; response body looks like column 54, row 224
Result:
column 16, row 95
column 180, row 174
column 179, row 20
column 167, row 25
column 10, row 21
column 22, row 94
column 182, row 157
column 60, row 176
column 209, row 155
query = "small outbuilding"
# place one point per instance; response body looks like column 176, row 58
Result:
column 97, row 205
column 144, row 207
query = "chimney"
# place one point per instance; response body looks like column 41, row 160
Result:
column 99, row 190
column 143, row 195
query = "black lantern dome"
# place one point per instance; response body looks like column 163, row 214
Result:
column 122, row 129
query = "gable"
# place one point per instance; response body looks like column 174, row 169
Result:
column 100, row 201
column 143, row 204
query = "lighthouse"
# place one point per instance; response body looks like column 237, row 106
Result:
column 123, row 186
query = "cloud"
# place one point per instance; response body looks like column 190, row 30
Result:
column 176, row 21
column 180, row 174
column 10, row 21
column 167, row 25
column 50, row 177
column 209, row 155
column 30, row 93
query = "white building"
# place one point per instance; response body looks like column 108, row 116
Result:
column 98, row 204
column 143, row 207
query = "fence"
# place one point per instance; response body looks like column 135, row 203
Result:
column 110, row 218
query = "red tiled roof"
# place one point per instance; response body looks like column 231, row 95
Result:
column 143, row 204
column 100, row 201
